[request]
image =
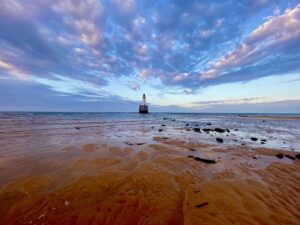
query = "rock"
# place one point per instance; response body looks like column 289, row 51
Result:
column 190, row 156
column 264, row 140
column 165, row 118
column 160, row 130
column 253, row 139
column 220, row 140
column 191, row 149
column 140, row 143
column 297, row 156
column 67, row 203
column 219, row 130
column 279, row 156
column 207, row 130
column 243, row 144
column 188, row 129
column 163, row 125
column 254, row 157
column 173, row 120
column 236, row 129
column 208, row 124
column 201, row 205
column 208, row 161
column 77, row 128
column 187, row 125
column 165, row 138
column 290, row 157
column 152, row 127
column 196, row 129
column 196, row 125
column 128, row 143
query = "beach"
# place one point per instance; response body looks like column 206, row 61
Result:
column 149, row 169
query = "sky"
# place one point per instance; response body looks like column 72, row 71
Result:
column 185, row 55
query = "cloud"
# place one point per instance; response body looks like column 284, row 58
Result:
column 285, row 106
column 205, row 104
column 272, row 48
column 83, row 46
column 12, row 70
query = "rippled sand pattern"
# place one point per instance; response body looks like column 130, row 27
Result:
column 157, row 184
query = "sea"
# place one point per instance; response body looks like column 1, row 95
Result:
column 31, row 132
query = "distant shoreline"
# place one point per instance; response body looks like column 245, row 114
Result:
column 205, row 113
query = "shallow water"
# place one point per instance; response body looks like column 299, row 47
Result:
column 25, row 132
column 99, row 168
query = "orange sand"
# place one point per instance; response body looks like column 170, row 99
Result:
column 155, row 184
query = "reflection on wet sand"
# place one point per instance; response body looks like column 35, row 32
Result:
column 157, row 183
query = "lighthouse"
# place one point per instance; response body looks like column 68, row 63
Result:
column 143, row 107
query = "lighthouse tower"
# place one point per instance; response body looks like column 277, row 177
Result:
column 143, row 107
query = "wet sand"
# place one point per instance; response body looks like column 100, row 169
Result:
column 160, row 182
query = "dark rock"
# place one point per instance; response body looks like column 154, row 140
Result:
column 196, row 125
column 140, row 143
column 228, row 130
column 219, row 130
column 290, row 157
column 253, row 139
column 236, row 129
column 173, row 120
column 165, row 138
column 160, row 130
column 235, row 140
column 163, row 125
column 254, row 157
column 201, row 205
column 220, row 140
column 190, row 156
column 207, row 130
column 187, row 125
column 128, row 143
column 243, row 144
column 188, row 129
column 77, row 128
column 191, row 149
column 208, row 124
column 152, row 127
column 165, row 118
column 264, row 140
column 297, row 156
column 279, row 156
column 196, row 129
column 208, row 161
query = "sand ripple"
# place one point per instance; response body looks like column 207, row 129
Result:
column 159, row 185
